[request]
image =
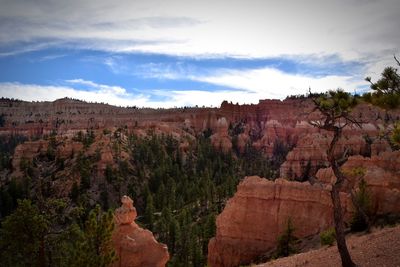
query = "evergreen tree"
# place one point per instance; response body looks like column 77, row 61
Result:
column 360, row 220
column 286, row 241
column 96, row 249
column 334, row 108
column 149, row 212
column 22, row 236
column 386, row 91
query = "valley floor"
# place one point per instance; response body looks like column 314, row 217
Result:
column 380, row 248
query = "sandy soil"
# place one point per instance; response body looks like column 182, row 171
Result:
column 381, row 248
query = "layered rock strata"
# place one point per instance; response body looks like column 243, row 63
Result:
column 257, row 214
column 381, row 174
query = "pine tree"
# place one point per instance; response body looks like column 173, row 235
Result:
column 334, row 108
column 96, row 249
column 149, row 212
column 360, row 220
column 286, row 241
column 22, row 236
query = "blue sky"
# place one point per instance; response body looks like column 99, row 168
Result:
column 186, row 53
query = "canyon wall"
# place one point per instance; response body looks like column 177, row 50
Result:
column 381, row 174
column 258, row 212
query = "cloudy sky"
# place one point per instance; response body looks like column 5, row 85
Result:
column 183, row 53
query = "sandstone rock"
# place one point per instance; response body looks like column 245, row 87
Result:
column 255, row 216
column 381, row 173
column 27, row 150
column 310, row 152
column 135, row 246
column 221, row 139
column 68, row 149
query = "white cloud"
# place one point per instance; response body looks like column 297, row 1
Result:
column 249, row 86
column 272, row 83
column 354, row 30
column 100, row 88
column 259, row 28
column 34, row 92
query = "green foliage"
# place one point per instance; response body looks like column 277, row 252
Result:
column 336, row 102
column 180, row 193
column 74, row 192
column 150, row 210
column 22, row 236
column 328, row 237
column 279, row 152
column 109, row 173
column 2, row 120
column 363, row 201
column 395, row 136
column 7, row 147
column 86, row 138
column 236, row 128
column 207, row 133
column 355, row 172
column 84, row 169
column 9, row 195
column 26, row 166
column 177, row 193
column 286, row 241
column 96, row 248
column 386, row 90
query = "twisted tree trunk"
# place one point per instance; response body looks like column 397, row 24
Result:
column 337, row 207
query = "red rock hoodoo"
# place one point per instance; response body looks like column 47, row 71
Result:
column 135, row 246
column 381, row 174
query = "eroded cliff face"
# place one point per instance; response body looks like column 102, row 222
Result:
column 258, row 212
column 380, row 172
column 135, row 246
column 256, row 215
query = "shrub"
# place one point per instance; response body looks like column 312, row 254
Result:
column 363, row 202
column 286, row 241
column 328, row 237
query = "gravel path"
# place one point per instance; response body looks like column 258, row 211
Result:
column 381, row 248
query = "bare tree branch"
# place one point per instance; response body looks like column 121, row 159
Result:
column 395, row 58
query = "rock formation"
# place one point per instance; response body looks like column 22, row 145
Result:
column 27, row 151
column 380, row 172
column 135, row 246
column 257, row 214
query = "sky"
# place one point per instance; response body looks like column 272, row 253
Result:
column 162, row 53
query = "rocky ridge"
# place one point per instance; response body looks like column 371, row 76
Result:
column 263, row 126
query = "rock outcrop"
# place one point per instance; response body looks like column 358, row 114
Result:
column 258, row 212
column 27, row 151
column 380, row 172
column 221, row 139
column 135, row 246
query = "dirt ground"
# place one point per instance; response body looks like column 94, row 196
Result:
column 381, row 248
